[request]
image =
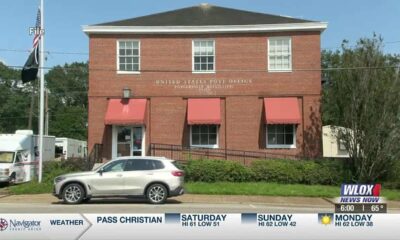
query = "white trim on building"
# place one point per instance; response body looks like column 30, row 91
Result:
column 308, row 26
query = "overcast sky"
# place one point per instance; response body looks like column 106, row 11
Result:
column 347, row 19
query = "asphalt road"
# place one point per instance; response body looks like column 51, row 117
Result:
column 139, row 206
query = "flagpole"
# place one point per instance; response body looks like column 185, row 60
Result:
column 41, row 69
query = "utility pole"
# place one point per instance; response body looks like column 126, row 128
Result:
column 31, row 108
column 46, row 129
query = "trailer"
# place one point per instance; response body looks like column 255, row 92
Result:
column 70, row 148
column 19, row 155
column 333, row 147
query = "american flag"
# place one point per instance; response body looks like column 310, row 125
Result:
column 36, row 38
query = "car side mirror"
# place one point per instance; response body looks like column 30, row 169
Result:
column 101, row 170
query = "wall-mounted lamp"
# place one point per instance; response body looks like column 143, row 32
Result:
column 126, row 92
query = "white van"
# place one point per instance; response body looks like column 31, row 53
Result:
column 19, row 155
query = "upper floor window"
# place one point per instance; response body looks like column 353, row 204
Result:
column 279, row 54
column 128, row 60
column 203, row 56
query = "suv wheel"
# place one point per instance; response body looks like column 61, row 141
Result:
column 73, row 193
column 157, row 194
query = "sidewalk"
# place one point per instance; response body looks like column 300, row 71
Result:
column 3, row 192
column 214, row 199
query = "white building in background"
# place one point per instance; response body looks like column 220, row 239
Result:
column 332, row 146
column 70, row 148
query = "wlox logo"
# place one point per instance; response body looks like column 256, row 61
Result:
column 360, row 190
column 360, row 193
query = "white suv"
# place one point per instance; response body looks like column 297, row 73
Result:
column 156, row 178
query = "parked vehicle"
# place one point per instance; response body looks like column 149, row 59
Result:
column 70, row 148
column 19, row 155
column 156, row 178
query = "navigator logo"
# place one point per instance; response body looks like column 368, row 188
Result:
column 3, row 224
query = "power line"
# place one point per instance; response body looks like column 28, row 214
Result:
column 222, row 70
column 47, row 52
column 50, row 115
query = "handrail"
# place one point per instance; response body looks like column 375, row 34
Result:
column 184, row 153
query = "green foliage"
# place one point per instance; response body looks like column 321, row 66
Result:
column 14, row 99
column 51, row 170
column 393, row 178
column 282, row 171
column 324, row 172
column 364, row 98
column 216, row 170
column 67, row 102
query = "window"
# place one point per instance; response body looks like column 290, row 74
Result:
column 143, row 164
column 203, row 56
column 279, row 54
column 341, row 145
column 281, row 136
column 115, row 166
column 128, row 56
column 204, row 136
column 6, row 157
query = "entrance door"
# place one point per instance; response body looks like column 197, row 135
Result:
column 124, row 140
column 137, row 138
column 129, row 141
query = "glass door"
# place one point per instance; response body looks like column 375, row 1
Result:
column 124, row 140
column 137, row 138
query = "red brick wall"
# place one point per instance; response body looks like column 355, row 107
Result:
column 244, row 107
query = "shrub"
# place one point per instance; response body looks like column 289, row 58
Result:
column 280, row 171
column 52, row 169
column 325, row 172
column 216, row 170
column 393, row 177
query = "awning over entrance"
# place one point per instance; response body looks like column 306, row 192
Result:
column 282, row 111
column 204, row 111
column 125, row 111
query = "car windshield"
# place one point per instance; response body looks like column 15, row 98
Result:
column 6, row 157
column 95, row 168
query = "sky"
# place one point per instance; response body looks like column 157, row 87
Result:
column 347, row 19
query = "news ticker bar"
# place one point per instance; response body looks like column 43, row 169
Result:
column 200, row 226
column 360, row 208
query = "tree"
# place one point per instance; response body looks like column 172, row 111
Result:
column 363, row 95
column 15, row 100
column 68, row 100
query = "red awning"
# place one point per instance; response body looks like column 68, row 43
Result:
column 282, row 111
column 125, row 111
column 204, row 111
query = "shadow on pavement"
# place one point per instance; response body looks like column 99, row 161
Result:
column 97, row 201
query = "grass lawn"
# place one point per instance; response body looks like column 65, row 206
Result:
column 229, row 188
column 32, row 187
column 272, row 189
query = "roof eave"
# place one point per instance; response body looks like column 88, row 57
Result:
column 309, row 26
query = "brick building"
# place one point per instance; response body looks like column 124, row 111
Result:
column 205, row 76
